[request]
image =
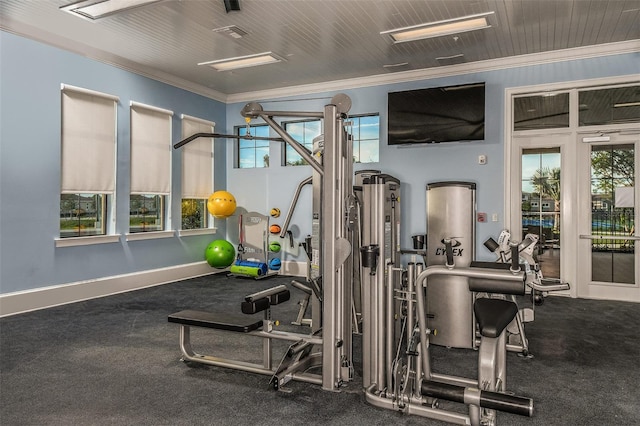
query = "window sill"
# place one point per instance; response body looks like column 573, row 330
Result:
column 139, row 236
column 87, row 241
column 202, row 231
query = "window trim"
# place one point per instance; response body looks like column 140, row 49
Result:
column 108, row 206
column 209, row 221
column 166, row 196
column 87, row 241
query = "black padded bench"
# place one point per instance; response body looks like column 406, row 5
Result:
column 237, row 323
column 253, row 303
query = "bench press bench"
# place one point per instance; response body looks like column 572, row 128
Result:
column 245, row 324
column 253, row 303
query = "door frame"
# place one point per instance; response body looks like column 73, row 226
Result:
column 550, row 139
column 587, row 288
column 571, row 204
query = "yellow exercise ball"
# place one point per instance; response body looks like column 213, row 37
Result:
column 221, row 204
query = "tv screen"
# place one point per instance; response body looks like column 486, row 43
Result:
column 441, row 114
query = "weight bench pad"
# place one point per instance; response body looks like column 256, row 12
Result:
column 494, row 315
column 256, row 306
column 280, row 297
column 218, row 321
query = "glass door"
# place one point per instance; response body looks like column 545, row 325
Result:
column 543, row 176
column 540, row 209
column 608, row 234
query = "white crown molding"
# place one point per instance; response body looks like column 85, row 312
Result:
column 608, row 49
column 33, row 33
column 631, row 46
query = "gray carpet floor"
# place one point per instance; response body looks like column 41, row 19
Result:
column 116, row 361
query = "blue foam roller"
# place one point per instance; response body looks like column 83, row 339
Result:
column 252, row 264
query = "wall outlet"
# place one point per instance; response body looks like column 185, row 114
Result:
column 482, row 159
column 494, row 217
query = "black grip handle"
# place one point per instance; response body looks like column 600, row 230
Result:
column 515, row 257
column 449, row 251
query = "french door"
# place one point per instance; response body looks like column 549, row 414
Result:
column 608, row 193
column 543, row 166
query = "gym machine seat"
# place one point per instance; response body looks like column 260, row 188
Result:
column 494, row 315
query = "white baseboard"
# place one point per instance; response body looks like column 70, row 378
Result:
column 47, row 297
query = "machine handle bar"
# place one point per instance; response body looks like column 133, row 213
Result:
column 195, row 136
column 487, row 399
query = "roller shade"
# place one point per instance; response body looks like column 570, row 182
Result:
column 197, row 159
column 150, row 150
column 88, row 148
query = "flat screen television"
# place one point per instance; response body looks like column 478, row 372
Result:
column 440, row 114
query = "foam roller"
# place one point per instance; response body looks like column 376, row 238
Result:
column 252, row 264
column 249, row 271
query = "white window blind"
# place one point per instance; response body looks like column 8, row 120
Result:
column 150, row 150
column 197, row 159
column 88, row 141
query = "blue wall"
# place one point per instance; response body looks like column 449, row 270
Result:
column 30, row 167
column 415, row 166
column 31, row 74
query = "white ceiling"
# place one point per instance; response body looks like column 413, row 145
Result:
column 321, row 40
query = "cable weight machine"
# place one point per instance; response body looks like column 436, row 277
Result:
column 397, row 371
column 328, row 346
column 398, row 316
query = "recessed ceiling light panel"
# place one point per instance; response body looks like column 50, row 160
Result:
column 96, row 9
column 439, row 28
column 232, row 31
column 229, row 64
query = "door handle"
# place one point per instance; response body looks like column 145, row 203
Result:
column 609, row 237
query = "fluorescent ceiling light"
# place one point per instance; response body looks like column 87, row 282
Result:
column 243, row 61
column 96, row 9
column 439, row 28
column 626, row 104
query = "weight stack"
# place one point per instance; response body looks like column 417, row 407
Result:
column 451, row 211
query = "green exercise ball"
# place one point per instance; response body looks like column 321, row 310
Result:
column 220, row 254
column 274, row 246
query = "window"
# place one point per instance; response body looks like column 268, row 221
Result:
column 365, row 130
column 541, row 213
column 150, row 167
column 616, row 105
column 146, row 213
column 197, row 173
column 82, row 215
column 546, row 111
column 88, row 157
column 304, row 132
column 253, row 153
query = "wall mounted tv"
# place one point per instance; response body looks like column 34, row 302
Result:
column 440, row 114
